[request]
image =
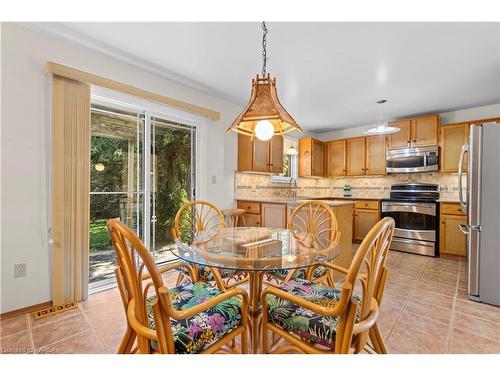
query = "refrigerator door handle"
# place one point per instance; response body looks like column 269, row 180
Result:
column 464, row 228
column 463, row 203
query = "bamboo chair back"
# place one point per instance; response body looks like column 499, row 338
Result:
column 314, row 222
column 368, row 270
column 138, row 273
column 197, row 221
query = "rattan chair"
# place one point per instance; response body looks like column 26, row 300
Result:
column 316, row 222
column 314, row 318
column 191, row 318
column 205, row 220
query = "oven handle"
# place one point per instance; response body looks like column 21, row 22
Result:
column 409, row 207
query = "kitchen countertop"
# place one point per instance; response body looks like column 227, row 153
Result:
column 335, row 202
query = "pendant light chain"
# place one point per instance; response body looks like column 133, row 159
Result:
column 264, row 51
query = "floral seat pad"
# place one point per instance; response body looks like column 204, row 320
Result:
column 198, row 332
column 301, row 273
column 308, row 325
column 205, row 274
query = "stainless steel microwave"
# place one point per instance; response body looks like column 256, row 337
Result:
column 410, row 160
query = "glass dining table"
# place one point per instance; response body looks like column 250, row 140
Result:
column 255, row 251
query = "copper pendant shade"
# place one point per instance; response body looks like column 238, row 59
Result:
column 264, row 105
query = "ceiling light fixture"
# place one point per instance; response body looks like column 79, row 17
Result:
column 264, row 116
column 292, row 151
column 382, row 126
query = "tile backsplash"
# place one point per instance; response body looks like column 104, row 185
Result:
column 255, row 185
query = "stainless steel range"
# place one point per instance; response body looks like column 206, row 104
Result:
column 414, row 208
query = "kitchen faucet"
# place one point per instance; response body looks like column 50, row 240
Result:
column 292, row 193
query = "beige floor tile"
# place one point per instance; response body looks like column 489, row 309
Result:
column 463, row 342
column 429, row 310
column 462, row 294
column 432, row 298
column 58, row 330
column 480, row 310
column 13, row 325
column 432, row 286
column 414, row 334
column 109, row 326
column 401, row 290
column 19, row 343
column 477, row 325
column 387, row 319
column 443, row 277
column 85, row 342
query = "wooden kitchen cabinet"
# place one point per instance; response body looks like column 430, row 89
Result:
column 424, row 131
column 364, row 221
column 414, row 132
column 274, row 215
column 260, row 156
column 452, row 138
column 310, row 157
column 355, row 156
column 400, row 139
column 451, row 240
column 251, row 220
column 252, row 216
column 336, row 158
column 375, row 155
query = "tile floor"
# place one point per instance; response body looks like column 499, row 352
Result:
column 424, row 310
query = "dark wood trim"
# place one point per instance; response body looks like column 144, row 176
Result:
column 26, row 310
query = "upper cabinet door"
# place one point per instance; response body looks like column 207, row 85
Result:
column 424, row 131
column 317, row 158
column 375, row 155
column 336, row 158
column 276, row 154
column 401, row 139
column 245, row 153
column 452, row 138
column 305, row 157
column 260, row 155
column 355, row 156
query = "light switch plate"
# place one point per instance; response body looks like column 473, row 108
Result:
column 214, row 179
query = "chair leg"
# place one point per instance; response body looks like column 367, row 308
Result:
column 127, row 341
column 377, row 340
column 244, row 342
column 265, row 339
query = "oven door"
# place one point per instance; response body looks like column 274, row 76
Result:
column 414, row 220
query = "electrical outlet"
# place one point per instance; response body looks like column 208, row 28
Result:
column 19, row 270
column 214, row 179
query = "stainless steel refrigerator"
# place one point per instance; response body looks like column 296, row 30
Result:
column 481, row 202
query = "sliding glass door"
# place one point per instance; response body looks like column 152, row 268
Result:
column 142, row 170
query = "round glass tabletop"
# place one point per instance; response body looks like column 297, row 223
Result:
column 255, row 249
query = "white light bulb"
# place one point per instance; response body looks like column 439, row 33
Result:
column 264, row 130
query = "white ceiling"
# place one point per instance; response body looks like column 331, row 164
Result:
column 329, row 75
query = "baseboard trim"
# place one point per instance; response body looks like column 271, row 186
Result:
column 26, row 310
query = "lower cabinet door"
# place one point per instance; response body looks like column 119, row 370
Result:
column 273, row 215
column 251, row 220
column 452, row 240
column 364, row 221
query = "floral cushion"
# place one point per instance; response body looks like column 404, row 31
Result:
column 301, row 274
column 308, row 325
column 204, row 273
column 196, row 333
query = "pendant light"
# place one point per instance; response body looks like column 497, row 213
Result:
column 264, row 116
column 382, row 126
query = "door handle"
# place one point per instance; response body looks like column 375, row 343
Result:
column 464, row 229
column 463, row 203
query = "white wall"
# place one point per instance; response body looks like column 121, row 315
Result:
column 462, row 115
column 25, row 155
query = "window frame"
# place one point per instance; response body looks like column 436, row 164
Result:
column 294, row 165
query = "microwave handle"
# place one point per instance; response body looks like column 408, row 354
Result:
column 461, row 200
